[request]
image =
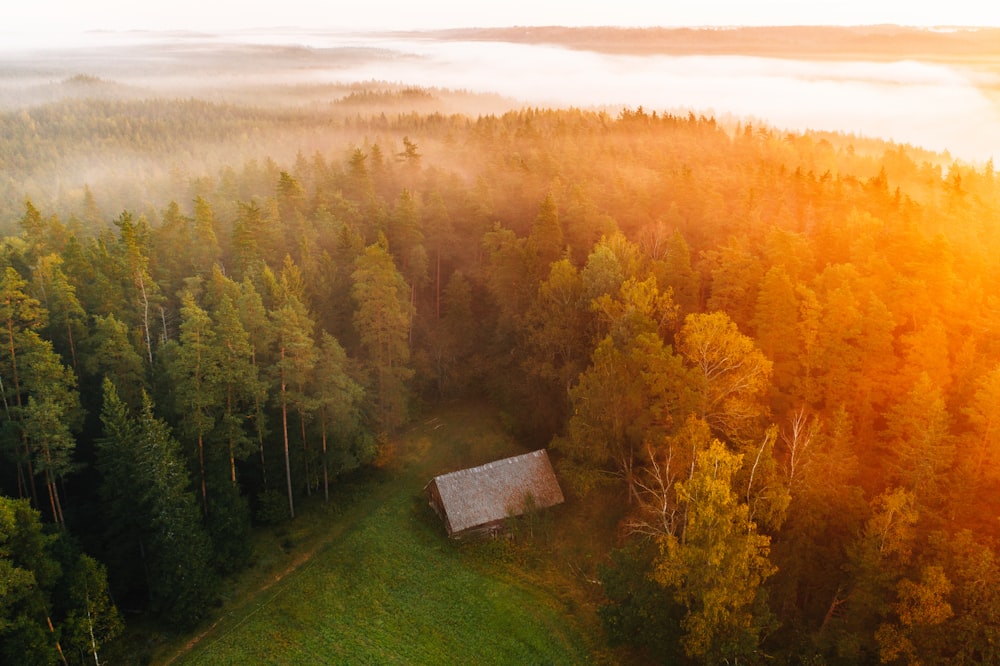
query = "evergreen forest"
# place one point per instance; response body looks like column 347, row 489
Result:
column 770, row 359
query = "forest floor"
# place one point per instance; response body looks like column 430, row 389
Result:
column 371, row 577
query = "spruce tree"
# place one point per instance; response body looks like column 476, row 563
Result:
column 152, row 511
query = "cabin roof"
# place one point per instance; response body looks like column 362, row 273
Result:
column 494, row 491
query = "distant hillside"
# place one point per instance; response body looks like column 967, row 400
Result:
column 882, row 42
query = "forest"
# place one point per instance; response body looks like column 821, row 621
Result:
column 772, row 359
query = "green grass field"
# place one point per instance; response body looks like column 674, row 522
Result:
column 378, row 582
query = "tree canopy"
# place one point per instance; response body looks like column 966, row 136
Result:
column 769, row 359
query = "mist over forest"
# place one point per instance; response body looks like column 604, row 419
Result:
column 259, row 287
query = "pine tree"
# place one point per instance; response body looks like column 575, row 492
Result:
column 776, row 322
column 680, row 276
column 546, row 233
column 247, row 260
column 338, row 399
column 205, row 252
column 382, row 320
column 28, row 573
column 238, row 381
column 194, row 370
column 132, row 254
column 629, row 395
column 293, row 330
column 67, row 320
column 22, row 315
column 108, row 353
column 922, row 447
column 260, row 335
column 42, row 404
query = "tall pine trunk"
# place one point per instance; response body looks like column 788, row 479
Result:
column 62, row 657
column 72, row 345
column 52, row 497
column 201, row 469
column 229, row 417
column 258, row 421
column 17, row 395
column 326, row 478
column 305, row 453
column 284, row 427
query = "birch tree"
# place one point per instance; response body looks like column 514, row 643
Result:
column 717, row 564
column 733, row 375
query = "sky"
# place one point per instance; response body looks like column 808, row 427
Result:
column 38, row 18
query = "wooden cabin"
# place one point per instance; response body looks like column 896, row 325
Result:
column 478, row 501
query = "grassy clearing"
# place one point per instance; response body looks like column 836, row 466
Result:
column 379, row 582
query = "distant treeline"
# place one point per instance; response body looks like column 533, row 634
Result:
column 878, row 42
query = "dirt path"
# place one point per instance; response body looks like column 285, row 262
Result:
column 267, row 585
column 239, row 612
column 409, row 467
column 413, row 459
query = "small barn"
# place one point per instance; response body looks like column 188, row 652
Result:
column 478, row 500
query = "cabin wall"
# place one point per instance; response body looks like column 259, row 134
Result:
column 436, row 503
column 434, row 500
column 492, row 529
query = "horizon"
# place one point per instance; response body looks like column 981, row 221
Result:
column 14, row 40
column 65, row 17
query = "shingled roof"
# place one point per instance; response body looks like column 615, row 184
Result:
column 479, row 497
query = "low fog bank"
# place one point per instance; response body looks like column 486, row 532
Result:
column 206, row 67
column 936, row 106
column 933, row 105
